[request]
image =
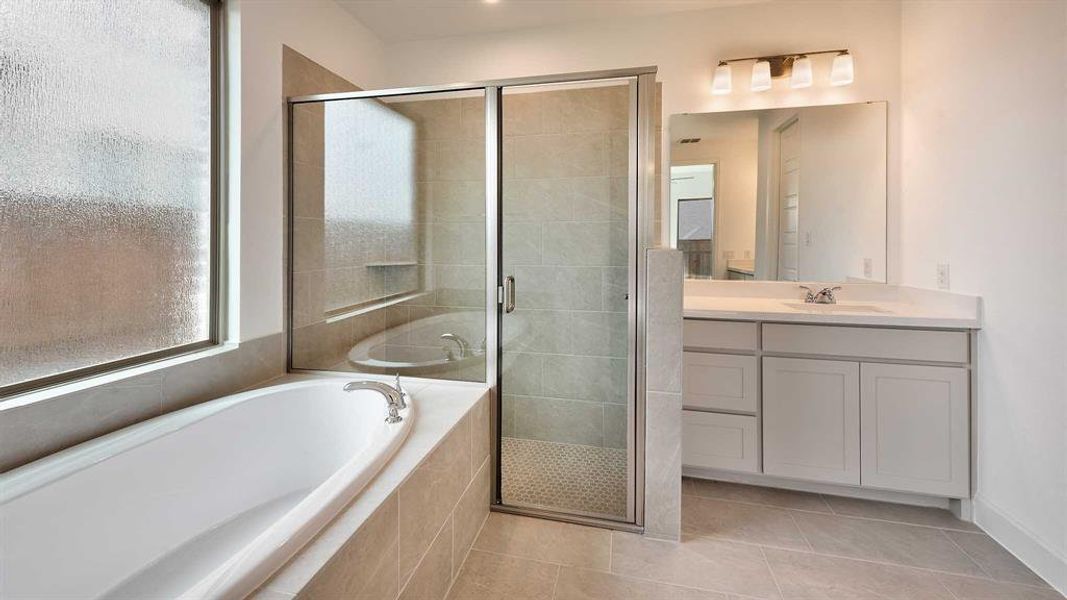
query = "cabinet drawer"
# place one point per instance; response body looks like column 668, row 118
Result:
column 724, row 335
column 719, row 441
column 866, row 342
column 719, row 382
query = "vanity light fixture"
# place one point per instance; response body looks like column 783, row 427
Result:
column 843, row 70
column 761, row 76
column 722, row 83
column 798, row 67
column 801, row 77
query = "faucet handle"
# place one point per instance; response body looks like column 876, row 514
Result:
column 403, row 395
column 809, row 295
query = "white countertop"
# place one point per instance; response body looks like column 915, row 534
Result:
column 857, row 304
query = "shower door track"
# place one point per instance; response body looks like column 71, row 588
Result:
column 641, row 194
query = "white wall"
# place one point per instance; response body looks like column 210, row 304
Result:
column 685, row 46
column 984, row 190
column 324, row 32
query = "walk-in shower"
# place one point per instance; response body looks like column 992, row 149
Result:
column 489, row 232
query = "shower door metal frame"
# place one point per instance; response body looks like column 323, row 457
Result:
column 641, row 201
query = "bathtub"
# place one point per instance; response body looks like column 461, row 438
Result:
column 206, row 502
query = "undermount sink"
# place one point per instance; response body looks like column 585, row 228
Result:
column 836, row 308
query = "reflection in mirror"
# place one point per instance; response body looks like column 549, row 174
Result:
column 793, row 194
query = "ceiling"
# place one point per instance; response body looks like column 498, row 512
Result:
column 406, row 20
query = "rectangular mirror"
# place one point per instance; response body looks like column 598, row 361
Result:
column 790, row 194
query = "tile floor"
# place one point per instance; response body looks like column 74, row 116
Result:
column 749, row 542
column 568, row 477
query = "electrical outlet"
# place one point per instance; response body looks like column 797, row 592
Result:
column 807, row 238
column 868, row 268
column 942, row 276
column 748, row 254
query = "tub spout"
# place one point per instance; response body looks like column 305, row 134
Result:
column 394, row 397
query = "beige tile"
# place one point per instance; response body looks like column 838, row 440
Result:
column 903, row 513
column 308, row 191
column 480, row 433
column 663, row 471
column 616, row 421
column 586, row 378
column 470, row 513
column 699, row 562
column 742, row 522
column 523, row 114
column 432, row 577
column 562, row 155
column 488, row 576
column 544, row 540
column 581, row 244
column 736, row 492
column 896, row 543
column 571, row 288
column 583, row 584
column 811, row 576
column 308, row 244
column 971, row 588
column 365, row 568
column 522, row 244
column 429, row 494
column 997, row 562
column 553, row 420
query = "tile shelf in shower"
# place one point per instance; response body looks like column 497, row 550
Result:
column 398, row 263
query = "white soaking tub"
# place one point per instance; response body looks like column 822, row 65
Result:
column 206, row 502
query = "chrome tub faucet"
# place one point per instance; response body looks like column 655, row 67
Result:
column 395, row 397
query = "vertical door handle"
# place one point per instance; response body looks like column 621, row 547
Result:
column 509, row 294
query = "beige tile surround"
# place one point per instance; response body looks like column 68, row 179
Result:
column 758, row 551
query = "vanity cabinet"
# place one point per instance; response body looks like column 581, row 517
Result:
column 876, row 407
column 811, row 419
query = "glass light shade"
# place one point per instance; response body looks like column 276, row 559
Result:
column 761, row 76
column 801, row 77
column 722, row 83
column 842, row 72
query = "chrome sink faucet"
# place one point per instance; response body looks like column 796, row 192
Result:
column 823, row 296
column 395, row 397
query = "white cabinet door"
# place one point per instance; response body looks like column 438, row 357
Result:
column 719, row 382
column 719, row 441
column 811, row 419
column 915, row 429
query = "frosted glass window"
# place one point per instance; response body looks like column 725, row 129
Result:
column 105, row 184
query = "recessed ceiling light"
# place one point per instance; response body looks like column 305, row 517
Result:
column 491, row 1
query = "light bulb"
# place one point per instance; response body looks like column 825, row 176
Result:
column 842, row 72
column 761, row 76
column 722, row 83
column 801, row 77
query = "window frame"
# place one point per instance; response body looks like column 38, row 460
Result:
column 216, row 243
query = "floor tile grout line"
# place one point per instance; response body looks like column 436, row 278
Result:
column 555, row 584
column 863, row 560
column 770, row 569
column 968, row 555
column 802, row 534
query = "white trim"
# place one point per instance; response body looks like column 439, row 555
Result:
column 1022, row 543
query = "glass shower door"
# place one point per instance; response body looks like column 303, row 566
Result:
column 567, row 324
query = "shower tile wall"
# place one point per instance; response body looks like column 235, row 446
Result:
column 566, row 243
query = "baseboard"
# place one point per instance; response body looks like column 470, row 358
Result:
column 1018, row 540
column 818, row 488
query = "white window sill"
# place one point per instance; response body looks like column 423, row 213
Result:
column 113, row 377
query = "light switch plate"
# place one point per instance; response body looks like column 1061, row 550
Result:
column 868, row 268
column 942, row 276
